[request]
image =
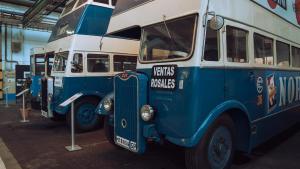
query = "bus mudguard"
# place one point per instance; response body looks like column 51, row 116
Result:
column 100, row 108
column 219, row 110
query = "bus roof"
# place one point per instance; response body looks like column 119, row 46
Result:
column 85, row 43
column 73, row 5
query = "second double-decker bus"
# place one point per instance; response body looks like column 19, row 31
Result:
column 85, row 62
column 40, row 66
column 213, row 76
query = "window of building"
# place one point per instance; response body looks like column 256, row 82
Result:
column 283, row 54
column 122, row 63
column 263, row 50
column 296, row 57
column 97, row 63
column 211, row 52
column 236, row 44
column 77, row 63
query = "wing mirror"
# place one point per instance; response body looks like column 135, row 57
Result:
column 216, row 23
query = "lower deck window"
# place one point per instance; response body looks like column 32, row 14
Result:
column 236, row 45
column 122, row 63
column 283, row 54
column 263, row 50
column 296, row 57
column 97, row 63
column 211, row 52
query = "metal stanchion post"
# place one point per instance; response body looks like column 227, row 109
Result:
column 73, row 147
column 23, row 108
column 6, row 98
column 23, row 111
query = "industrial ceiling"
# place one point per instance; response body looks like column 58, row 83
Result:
column 32, row 14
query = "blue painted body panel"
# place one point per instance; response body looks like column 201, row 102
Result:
column 87, row 20
column 184, row 115
column 85, row 85
column 35, row 87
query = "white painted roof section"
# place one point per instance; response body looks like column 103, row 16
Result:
column 2, row 166
column 37, row 50
column 92, row 44
column 153, row 12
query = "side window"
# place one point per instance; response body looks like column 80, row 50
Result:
column 263, row 50
column 97, row 63
column 77, row 63
column 122, row 63
column 236, row 45
column 283, row 54
column 211, row 52
column 40, row 65
column 296, row 57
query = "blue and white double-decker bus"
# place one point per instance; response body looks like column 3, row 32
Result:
column 40, row 64
column 214, row 77
column 82, row 58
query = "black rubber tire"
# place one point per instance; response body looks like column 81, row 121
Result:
column 197, row 157
column 109, row 131
column 86, row 128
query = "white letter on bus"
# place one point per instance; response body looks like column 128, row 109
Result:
column 291, row 90
column 282, row 91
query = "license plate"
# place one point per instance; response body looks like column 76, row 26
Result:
column 130, row 145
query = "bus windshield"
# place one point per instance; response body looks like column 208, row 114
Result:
column 60, row 61
column 168, row 40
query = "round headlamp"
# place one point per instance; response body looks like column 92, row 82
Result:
column 147, row 113
column 107, row 104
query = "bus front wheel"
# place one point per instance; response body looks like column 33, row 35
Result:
column 85, row 116
column 216, row 148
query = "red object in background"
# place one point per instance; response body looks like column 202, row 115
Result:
column 297, row 10
column 272, row 4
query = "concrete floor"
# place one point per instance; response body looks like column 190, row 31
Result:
column 40, row 145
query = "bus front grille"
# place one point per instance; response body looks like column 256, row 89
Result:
column 126, row 111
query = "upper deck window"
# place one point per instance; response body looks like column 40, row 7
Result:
column 69, row 7
column 283, row 54
column 263, row 50
column 211, row 52
column 97, row 63
column 168, row 40
column 60, row 61
column 122, row 63
column 296, row 57
column 236, row 45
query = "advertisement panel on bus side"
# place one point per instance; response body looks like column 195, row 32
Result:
column 287, row 9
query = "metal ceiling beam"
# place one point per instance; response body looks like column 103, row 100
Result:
column 39, row 9
column 29, row 4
